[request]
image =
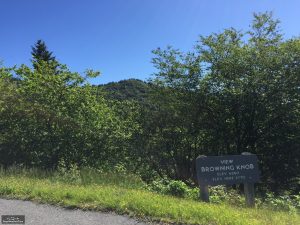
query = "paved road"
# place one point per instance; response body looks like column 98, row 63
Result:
column 38, row 214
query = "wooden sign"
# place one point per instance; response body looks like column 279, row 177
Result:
column 231, row 169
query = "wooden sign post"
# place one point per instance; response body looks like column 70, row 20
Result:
column 204, row 192
column 249, row 190
column 232, row 169
column 249, row 194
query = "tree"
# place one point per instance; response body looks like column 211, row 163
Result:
column 41, row 53
column 46, row 118
column 235, row 92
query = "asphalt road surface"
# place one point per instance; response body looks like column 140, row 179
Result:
column 40, row 214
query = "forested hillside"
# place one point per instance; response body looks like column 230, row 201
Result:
column 131, row 89
column 235, row 91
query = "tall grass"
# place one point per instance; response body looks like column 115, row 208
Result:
column 74, row 175
column 126, row 194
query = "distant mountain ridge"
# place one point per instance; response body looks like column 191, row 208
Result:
column 130, row 89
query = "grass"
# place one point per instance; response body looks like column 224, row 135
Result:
column 112, row 193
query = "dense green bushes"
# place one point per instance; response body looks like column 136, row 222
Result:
column 47, row 116
column 234, row 92
column 227, row 195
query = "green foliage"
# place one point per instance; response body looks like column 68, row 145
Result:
column 286, row 202
column 226, row 195
column 52, row 115
column 221, row 194
column 177, row 188
column 71, row 174
column 41, row 54
column 173, row 187
column 117, row 176
column 137, row 202
column 234, row 92
column 130, row 89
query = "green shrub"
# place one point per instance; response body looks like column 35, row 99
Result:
column 177, row 188
column 173, row 187
column 68, row 173
column 222, row 194
column 159, row 186
column 285, row 202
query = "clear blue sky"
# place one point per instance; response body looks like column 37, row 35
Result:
column 117, row 36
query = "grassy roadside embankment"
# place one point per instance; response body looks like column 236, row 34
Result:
column 133, row 200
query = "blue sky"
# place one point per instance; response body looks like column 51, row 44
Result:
column 117, row 36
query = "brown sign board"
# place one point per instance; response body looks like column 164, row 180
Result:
column 231, row 169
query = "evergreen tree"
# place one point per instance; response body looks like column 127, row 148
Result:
column 41, row 53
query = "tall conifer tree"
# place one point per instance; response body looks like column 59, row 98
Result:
column 40, row 53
